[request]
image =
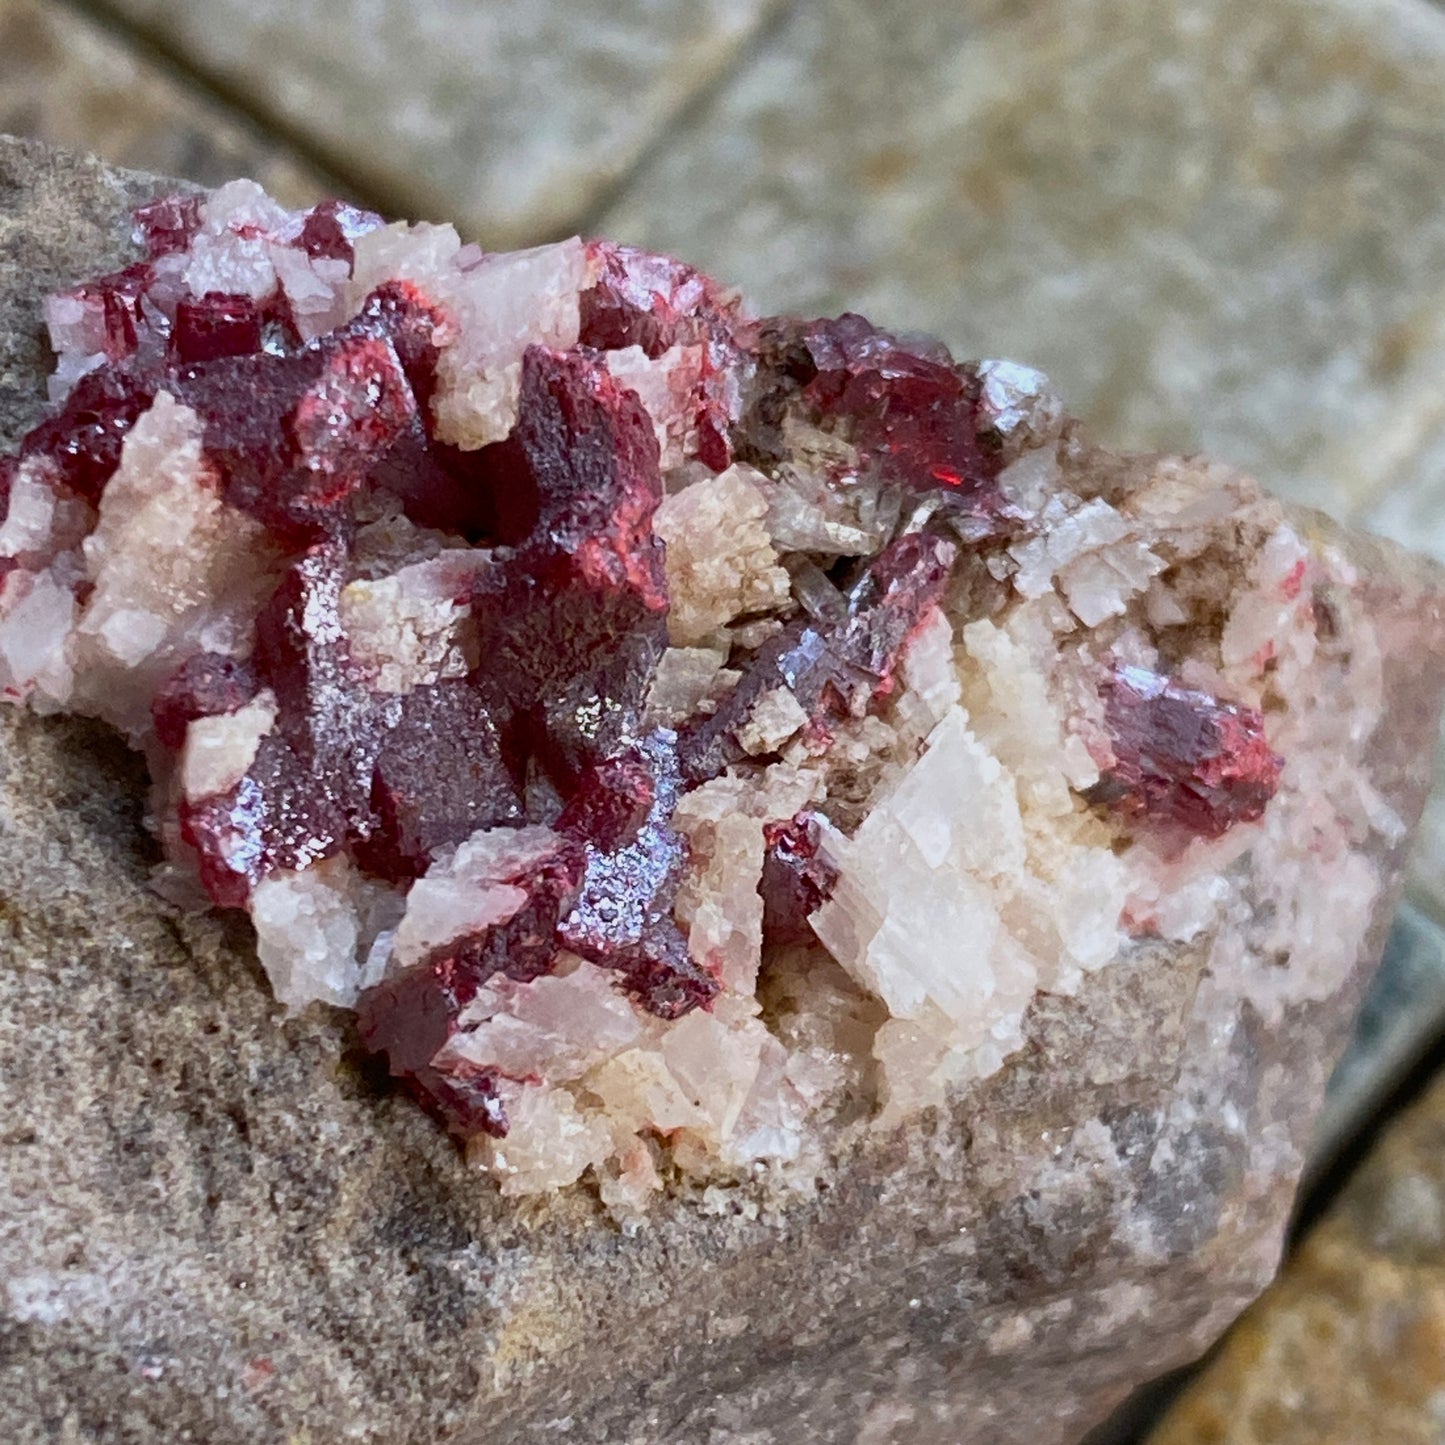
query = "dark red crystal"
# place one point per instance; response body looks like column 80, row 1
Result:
column 644, row 299
column 1182, row 757
column 409, row 1019
column 116, row 299
column 85, row 436
column 296, row 436
column 573, row 619
column 654, row 302
column 205, row 685
column 611, row 804
column 8, row 467
column 215, row 325
column 622, row 918
column 910, row 411
column 332, row 227
column 834, row 668
column 796, row 880
column 309, row 789
column 168, row 225
column 277, row 816
column 439, row 777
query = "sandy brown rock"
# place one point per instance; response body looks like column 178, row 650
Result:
column 513, row 117
column 70, row 81
column 1349, row 1344
column 215, row 1227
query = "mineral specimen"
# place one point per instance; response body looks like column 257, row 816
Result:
column 687, row 741
column 219, row 1227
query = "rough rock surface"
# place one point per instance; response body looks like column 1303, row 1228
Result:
column 1349, row 1344
column 217, row 1228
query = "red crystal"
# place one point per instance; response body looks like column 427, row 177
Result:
column 115, row 302
column 167, row 226
column 332, row 226
column 1183, row 757
column 837, row 668
column 277, row 816
column 205, row 685
column 84, row 438
column 215, row 325
column 439, row 777
column 611, row 804
column 296, row 436
column 572, row 621
column 410, row 1017
column 909, row 410
column 654, row 302
column 8, row 467
column 643, row 299
column 622, row 918
column 796, row 880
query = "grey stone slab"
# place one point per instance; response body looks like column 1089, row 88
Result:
column 70, row 81
column 1410, row 504
column 1401, row 1016
column 1410, row 507
column 512, row 117
column 214, row 1227
column 1216, row 224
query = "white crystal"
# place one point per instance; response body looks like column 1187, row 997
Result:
column 720, row 560
column 174, row 570
column 686, row 677
column 219, row 750
column 550, row 1141
column 556, row 1027
column 502, row 305
column 414, row 627
column 664, row 385
column 232, row 251
column 315, row 929
column 470, row 890
column 37, row 614
column 774, row 718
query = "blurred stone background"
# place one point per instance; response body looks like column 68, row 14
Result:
column 1217, row 224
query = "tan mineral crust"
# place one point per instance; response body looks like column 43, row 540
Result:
column 1014, row 1128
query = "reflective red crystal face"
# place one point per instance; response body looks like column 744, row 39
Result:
column 910, row 412
column 332, row 228
column 210, row 327
column 1184, row 758
column 168, row 225
column 84, row 439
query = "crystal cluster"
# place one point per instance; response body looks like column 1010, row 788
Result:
column 682, row 738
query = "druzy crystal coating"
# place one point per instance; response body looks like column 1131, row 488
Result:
column 642, row 714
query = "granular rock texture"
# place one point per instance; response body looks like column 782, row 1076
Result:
column 882, row 656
